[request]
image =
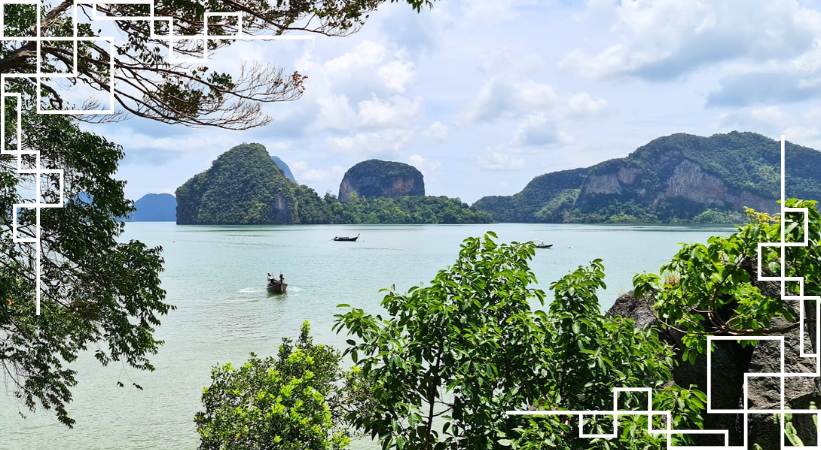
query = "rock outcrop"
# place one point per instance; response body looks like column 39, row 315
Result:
column 677, row 178
column 243, row 186
column 730, row 361
column 375, row 178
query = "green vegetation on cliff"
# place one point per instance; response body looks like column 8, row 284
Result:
column 244, row 186
column 402, row 210
column 677, row 178
column 406, row 210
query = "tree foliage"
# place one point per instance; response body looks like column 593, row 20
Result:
column 275, row 403
column 589, row 356
column 451, row 358
column 402, row 210
column 146, row 84
column 461, row 351
column 713, row 288
column 99, row 294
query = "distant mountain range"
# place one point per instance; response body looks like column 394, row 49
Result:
column 674, row 179
column 284, row 168
column 154, row 208
column 679, row 178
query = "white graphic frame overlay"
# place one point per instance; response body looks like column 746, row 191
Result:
column 782, row 375
column 24, row 157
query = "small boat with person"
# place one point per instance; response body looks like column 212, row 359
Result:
column 542, row 245
column 277, row 285
column 346, row 238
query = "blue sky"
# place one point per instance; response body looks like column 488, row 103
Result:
column 484, row 95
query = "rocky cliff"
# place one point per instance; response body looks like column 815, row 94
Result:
column 375, row 178
column 677, row 178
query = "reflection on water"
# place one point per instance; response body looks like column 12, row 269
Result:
column 216, row 277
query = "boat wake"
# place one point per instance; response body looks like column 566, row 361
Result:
column 241, row 299
column 250, row 290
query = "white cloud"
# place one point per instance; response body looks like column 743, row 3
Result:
column 438, row 131
column 394, row 112
column 808, row 134
column 372, row 143
column 335, row 112
column 356, row 99
column 483, row 11
column 369, row 67
column 306, row 174
column 767, row 120
column 396, row 75
column 773, row 121
column 536, row 130
column 584, row 104
column 814, row 115
column 174, row 143
column 500, row 161
column 423, row 164
column 366, row 54
column 501, row 98
column 769, row 114
column 772, row 83
column 664, row 39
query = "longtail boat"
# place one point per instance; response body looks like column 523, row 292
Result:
column 277, row 286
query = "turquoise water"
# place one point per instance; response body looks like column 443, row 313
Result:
column 216, row 278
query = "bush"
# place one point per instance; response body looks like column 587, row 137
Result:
column 713, row 288
column 275, row 403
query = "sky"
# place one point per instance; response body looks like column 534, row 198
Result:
column 482, row 96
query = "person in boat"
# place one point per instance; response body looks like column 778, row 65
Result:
column 271, row 279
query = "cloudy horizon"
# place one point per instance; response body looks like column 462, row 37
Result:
column 484, row 96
